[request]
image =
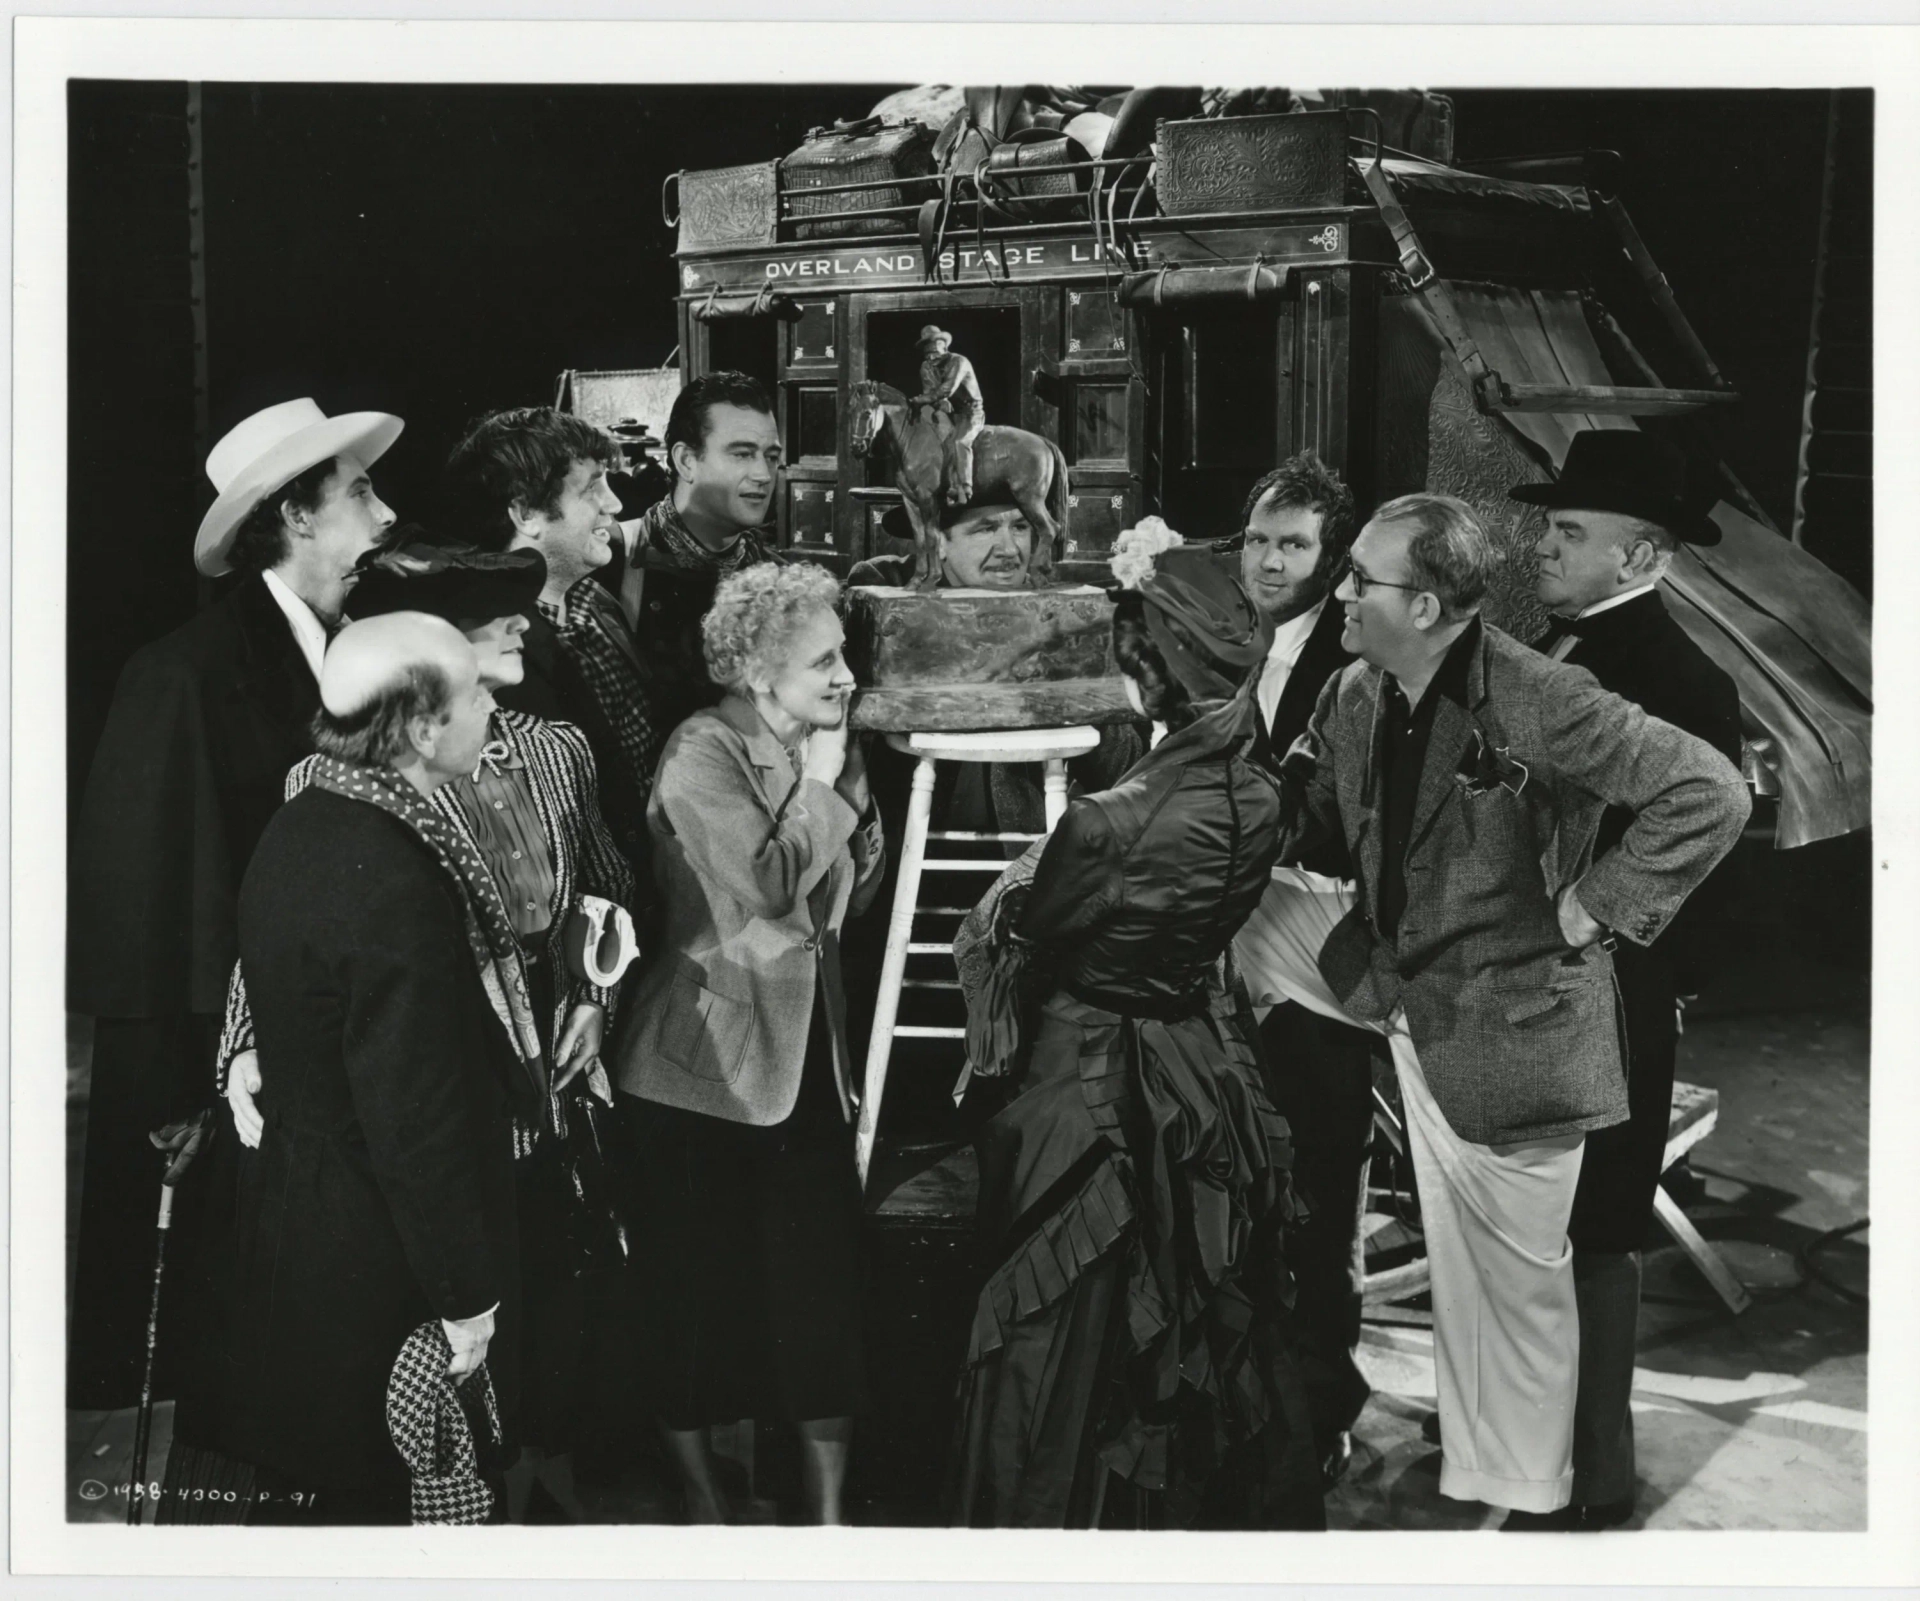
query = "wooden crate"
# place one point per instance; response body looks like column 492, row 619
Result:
column 952, row 660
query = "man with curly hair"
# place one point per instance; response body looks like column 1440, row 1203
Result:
column 1297, row 529
column 535, row 478
column 1295, row 534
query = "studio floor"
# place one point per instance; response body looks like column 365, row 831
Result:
column 1755, row 1421
column 1750, row 1422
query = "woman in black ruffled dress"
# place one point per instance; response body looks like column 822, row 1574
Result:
column 1129, row 1362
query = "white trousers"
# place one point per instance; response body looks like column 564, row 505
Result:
column 1506, row 1331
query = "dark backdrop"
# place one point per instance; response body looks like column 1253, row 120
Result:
column 440, row 251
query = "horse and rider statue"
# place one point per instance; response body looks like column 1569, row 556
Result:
column 946, row 454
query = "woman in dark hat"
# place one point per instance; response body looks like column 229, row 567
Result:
column 531, row 810
column 1129, row 1361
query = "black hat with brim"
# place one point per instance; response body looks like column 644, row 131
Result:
column 895, row 523
column 1632, row 474
column 457, row 582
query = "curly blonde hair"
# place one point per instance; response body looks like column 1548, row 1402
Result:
column 756, row 613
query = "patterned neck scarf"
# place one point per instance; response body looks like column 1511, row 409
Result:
column 666, row 531
column 489, row 930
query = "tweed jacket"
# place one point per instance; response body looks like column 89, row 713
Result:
column 1517, row 1033
column 756, row 868
column 561, row 778
column 1640, row 653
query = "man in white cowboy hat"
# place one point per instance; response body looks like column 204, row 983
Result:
column 204, row 725
column 948, row 384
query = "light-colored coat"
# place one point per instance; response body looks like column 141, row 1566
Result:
column 757, row 868
column 1517, row 1032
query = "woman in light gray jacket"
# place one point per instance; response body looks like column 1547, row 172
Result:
column 733, row 1064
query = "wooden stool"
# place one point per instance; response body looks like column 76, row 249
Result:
column 1054, row 747
column 1696, row 1110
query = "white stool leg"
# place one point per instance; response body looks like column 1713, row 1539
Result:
column 1056, row 793
column 893, row 970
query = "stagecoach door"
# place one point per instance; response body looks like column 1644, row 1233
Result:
column 1242, row 387
column 812, row 394
column 1102, row 396
column 1008, row 332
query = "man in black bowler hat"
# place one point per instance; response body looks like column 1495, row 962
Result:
column 1615, row 518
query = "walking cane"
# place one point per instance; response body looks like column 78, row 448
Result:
column 144, row 1426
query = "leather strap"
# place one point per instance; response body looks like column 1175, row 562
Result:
column 1425, row 281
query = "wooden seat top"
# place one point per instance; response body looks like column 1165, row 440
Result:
column 1001, row 745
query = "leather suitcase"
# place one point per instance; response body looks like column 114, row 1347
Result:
column 868, row 151
column 725, row 206
column 1049, row 197
column 1270, row 163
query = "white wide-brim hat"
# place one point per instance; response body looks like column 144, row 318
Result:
column 271, row 449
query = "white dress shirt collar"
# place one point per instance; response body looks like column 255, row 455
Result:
column 1289, row 640
column 1620, row 599
column 308, row 631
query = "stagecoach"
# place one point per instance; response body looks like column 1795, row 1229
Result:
column 1180, row 317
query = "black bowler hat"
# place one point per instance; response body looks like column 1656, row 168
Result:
column 457, row 582
column 1633, row 474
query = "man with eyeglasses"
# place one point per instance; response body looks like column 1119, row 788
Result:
column 1297, row 529
column 1468, row 775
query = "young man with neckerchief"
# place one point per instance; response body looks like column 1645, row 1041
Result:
column 724, row 452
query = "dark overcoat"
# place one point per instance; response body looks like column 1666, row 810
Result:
column 204, row 724
column 1640, row 653
column 1320, row 658
column 381, row 1195
column 203, row 727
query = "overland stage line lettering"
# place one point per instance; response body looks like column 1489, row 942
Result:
column 1041, row 257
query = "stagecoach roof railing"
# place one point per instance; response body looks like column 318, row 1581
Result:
column 936, row 180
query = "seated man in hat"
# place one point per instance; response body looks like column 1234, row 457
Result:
column 383, row 1197
column 204, row 724
column 983, row 545
column 948, row 384
column 1615, row 518
column 986, row 545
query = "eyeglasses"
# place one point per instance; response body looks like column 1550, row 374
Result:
column 1362, row 582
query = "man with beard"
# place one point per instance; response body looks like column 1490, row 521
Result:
column 204, row 725
column 724, row 452
column 1615, row 518
column 1298, row 528
column 1299, row 524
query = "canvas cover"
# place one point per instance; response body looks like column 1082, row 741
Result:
column 1795, row 637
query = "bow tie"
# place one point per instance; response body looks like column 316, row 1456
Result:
column 1559, row 627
